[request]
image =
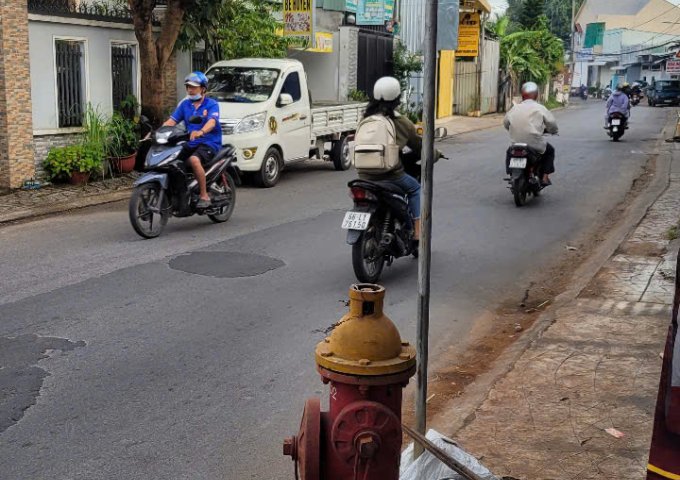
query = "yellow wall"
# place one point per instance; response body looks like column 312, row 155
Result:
column 447, row 72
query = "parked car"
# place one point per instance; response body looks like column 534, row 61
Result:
column 266, row 112
column 664, row 92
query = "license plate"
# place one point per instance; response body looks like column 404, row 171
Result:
column 518, row 163
column 356, row 221
column 668, row 101
column 616, row 122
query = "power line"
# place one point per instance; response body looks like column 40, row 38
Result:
column 677, row 41
column 654, row 18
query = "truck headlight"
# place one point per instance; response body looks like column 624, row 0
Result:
column 251, row 123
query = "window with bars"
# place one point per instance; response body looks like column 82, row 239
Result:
column 70, row 65
column 123, row 68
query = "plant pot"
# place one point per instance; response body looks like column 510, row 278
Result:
column 123, row 164
column 79, row 178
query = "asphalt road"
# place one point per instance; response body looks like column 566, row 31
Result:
column 190, row 356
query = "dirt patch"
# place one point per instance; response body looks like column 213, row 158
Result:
column 642, row 249
column 457, row 368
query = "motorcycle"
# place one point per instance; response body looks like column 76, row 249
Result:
column 168, row 188
column 607, row 94
column 584, row 94
column 617, row 126
column 524, row 177
column 380, row 227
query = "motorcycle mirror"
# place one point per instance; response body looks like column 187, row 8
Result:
column 440, row 132
column 195, row 120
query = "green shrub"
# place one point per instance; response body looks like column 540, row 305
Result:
column 357, row 95
column 61, row 161
column 122, row 136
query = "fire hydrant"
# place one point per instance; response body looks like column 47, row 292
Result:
column 367, row 365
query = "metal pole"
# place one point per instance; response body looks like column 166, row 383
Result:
column 429, row 100
column 480, row 61
column 573, row 45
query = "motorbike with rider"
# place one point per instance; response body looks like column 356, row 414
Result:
column 530, row 160
column 385, row 221
column 617, row 113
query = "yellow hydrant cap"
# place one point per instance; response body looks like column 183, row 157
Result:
column 365, row 341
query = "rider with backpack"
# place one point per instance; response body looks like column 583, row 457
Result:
column 379, row 141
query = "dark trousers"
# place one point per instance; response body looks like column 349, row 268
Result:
column 545, row 162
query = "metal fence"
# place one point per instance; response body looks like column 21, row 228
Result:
column 199, row 61
column 70, row 84
column 94, row 10
column 122, row 72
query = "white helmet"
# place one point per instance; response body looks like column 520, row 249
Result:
column 530, row 87
column 387, row 89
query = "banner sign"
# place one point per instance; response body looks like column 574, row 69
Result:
column 371, row 12
column 468, row 35
column 447, row 25
column 389, row 9
column 351, row 6
column 324, row 43
column 585, row 55
column 673, row 67
column 297, row 18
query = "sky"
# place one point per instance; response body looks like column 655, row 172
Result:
column 500, row 5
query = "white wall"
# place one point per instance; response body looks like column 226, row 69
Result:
column 98, row 90
column 323, row 70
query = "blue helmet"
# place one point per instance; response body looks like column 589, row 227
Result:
column 197, row 79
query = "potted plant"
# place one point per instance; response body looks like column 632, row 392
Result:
column 74, row 163
column 121, row 145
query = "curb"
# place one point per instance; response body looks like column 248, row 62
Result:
column 82, row 202
column 460, row 412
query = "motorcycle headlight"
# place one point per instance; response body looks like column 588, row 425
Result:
column 252, row 123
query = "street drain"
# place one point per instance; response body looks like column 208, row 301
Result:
column 225, row 264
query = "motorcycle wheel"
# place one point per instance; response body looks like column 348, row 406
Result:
column 367, row 268
column 227, row 183
column 616, row 136
column 519, row 191
column 146, row 223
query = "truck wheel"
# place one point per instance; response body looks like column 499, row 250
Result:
column 340, row 154
column 270, row 171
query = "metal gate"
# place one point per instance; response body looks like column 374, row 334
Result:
column 70, row 88
column 466, row 83
column 374, row 59
column 122, row 65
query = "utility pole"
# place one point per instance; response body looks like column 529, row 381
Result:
column 424, row 259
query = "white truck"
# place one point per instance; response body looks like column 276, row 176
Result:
column 266, row 113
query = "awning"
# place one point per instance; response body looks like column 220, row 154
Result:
column 614, row 69
column 597, row 64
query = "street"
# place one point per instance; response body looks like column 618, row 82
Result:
column 190, row 356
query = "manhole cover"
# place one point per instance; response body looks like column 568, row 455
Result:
column 225, row 264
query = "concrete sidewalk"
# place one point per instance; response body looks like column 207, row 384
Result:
column 22, row 204
column 579, row 402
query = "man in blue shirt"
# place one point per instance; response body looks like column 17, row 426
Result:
column 205, row 137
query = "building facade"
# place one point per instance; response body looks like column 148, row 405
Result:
column 68, row 56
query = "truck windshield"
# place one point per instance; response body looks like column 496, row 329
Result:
column 241, row 84
column 667, row 85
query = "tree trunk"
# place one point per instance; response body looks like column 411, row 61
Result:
column 155, row 52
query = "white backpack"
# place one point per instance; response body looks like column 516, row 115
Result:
column 375, row 145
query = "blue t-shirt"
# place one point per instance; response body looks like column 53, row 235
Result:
column 209, row 109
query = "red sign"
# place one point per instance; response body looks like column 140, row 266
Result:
column 673, row 66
